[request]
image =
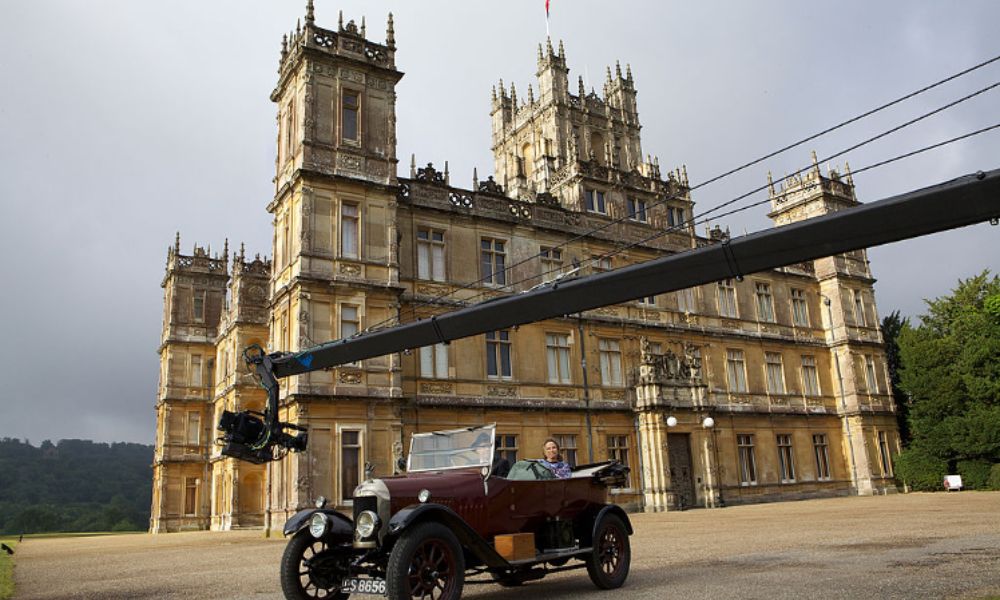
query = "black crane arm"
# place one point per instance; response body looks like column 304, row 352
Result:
column 963, row 201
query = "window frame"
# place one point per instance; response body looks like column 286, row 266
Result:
column 497, row 276
column 496, row 342
column 800, row 318
column 610, row 362
column 736, row 378
column 595, row 201
column 618, row 448
column 764, row 301
column 355, row 226
column 346, row 497
column 550, row 260
column 809, row 384
column 504, row 450
column 440, row 361
column 567, row 447
column 871, row 375
column 637, row 209
column 726, row 288
column 344, row 93
column 786, row 457
column 432, row 247
column 821, row 452
column 778, row 387
column 746, row 459
column 885, row 455
column 557, row 350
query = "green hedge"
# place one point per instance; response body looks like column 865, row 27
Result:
column 920, row 470
column 993, row 482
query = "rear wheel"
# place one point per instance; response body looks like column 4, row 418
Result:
column 609, row 561
column 426, row 563
column 310, row 568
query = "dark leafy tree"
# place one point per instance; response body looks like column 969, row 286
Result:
column 950, row 369
column 892, row 326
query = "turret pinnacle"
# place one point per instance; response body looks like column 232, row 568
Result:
column 390, row 34
column 310, row 12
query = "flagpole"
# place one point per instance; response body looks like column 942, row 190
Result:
column 547, row 34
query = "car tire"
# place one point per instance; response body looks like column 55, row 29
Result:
column 426, row 558
column 608, row 562
column 302, row 582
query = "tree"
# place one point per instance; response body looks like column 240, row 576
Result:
column 950, row 369
column 892, row 326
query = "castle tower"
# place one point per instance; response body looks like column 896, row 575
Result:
column 851, row 326
column 194, row 294
column 583, row 149
column 335, row 269
column 238, row 488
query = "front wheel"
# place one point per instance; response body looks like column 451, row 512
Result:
column 310, row 568
column 608, row 562
column 426, row 563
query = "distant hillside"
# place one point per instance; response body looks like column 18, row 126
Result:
column 74, row 485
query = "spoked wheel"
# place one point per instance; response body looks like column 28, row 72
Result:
column 609, row 562
column 311, row 569
column 426, row 563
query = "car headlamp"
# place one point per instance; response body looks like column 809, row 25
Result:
column 366, row 524
column 318, row 525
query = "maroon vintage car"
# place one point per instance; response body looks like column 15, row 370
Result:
column 453, row 519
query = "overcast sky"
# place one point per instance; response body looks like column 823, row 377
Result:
column 122, row 122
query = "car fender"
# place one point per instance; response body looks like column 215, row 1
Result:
column 467, row 536
column 608, row 509
column 341, row 526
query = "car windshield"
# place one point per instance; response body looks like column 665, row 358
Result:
column 454, row 449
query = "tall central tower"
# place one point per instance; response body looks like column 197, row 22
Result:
column 335, row 262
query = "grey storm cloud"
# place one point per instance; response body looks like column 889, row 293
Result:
column 124, row 122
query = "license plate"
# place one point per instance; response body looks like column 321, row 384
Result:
column 363, row 585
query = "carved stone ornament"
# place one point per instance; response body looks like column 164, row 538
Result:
column 519, row 210
column 501, row 391
column 324, row 40
column 403, row 192
column 490, row 187
column 546, row 199
column 349, row 377
column 429, row 174
column 436, row 388
column 431, row 290
column 350, row 269
column 563, row 393
column 613, row 394
column 457, row 199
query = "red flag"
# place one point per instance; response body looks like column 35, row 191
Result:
column 546, row 9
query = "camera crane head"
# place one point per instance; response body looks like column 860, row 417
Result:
column 260, row 437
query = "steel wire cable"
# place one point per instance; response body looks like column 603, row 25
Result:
column 438, row 298
column 811, row 186
column 694, row 220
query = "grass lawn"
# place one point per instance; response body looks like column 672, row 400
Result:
column 7, row 570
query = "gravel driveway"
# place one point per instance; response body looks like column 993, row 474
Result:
column 904, row 546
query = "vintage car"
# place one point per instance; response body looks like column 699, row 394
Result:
column 452, row 516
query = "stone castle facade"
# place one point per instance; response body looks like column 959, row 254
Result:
column 768, row 387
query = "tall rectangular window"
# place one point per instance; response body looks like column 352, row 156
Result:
column 611, row 362
column 686, row 300
column 775, row 373
column 675, row 216
column 748, row 464
column 859, row 309
column 786, row 458
column 493, row 255
column 498, row 355
column 872, row 380
column 800, row 310
column 594, row 201
column 351, row 462
column 821, row 451
column 637, row 209
column 196, row 379
column 736, row 371
column 193, row 428
column 600, row 264
column 434, row 361
column 551, row 262
column 506, row 447
column 567, row 447
column 199, row 307
column 349, row 230
column 810, row 376
column 618, row 450
column 647, row 300
column 557, row 356
column 350, row 107
column 727, row 299
column 430, row 254
column 350, row 321
column 883, row 453
column 765, row 302
column 190, row 496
